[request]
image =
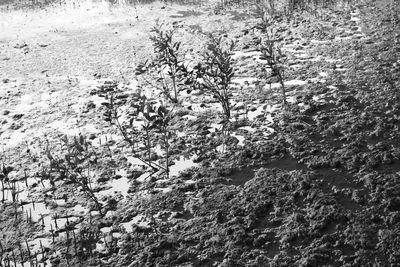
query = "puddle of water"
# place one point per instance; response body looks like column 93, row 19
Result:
column 267, row 130
column 247, row 129
column 139, row 220
column 135, row 161
column 319, row 98
column 143, row 177
column 36, row 210
column 163, row 189
column 82, row 103
column 302, row 55
column 252, row 115
column 13, row 139
column 34, row 245
column 17, row 188
column 70, row 127
column 214, row 127
column 323, row 74
column 105, row 230
column 317, row 80
column 29, row 102
column 245, row 81
column 205, row 107
column 291, row 99
column 181, row 164
column 319, row 41
column 104, row 138
column 189, row 117
column 241, row 176
column 60, row 202
column 221, row 148
column 117, row 185
column 287, row 84
column 92, row 83
column 341, row 69
column 267, row 110
column 158, row 150
column 240, row 138
column 288, row 164
column 242, row 54
column 79, row 210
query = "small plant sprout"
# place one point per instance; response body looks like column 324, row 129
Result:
column 271, row 52
column 216, row 72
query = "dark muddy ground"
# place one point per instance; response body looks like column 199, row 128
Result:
column 315, row 183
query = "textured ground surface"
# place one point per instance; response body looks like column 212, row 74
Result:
column 316, row 184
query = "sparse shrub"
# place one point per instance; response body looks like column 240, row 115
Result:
column 216, row 71
column 271, row 52
column 156, row 121
column 146, row 122
column 267, row 10
column 77, row 164
column 168, row 66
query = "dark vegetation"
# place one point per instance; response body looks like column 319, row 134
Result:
column 322, row 190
